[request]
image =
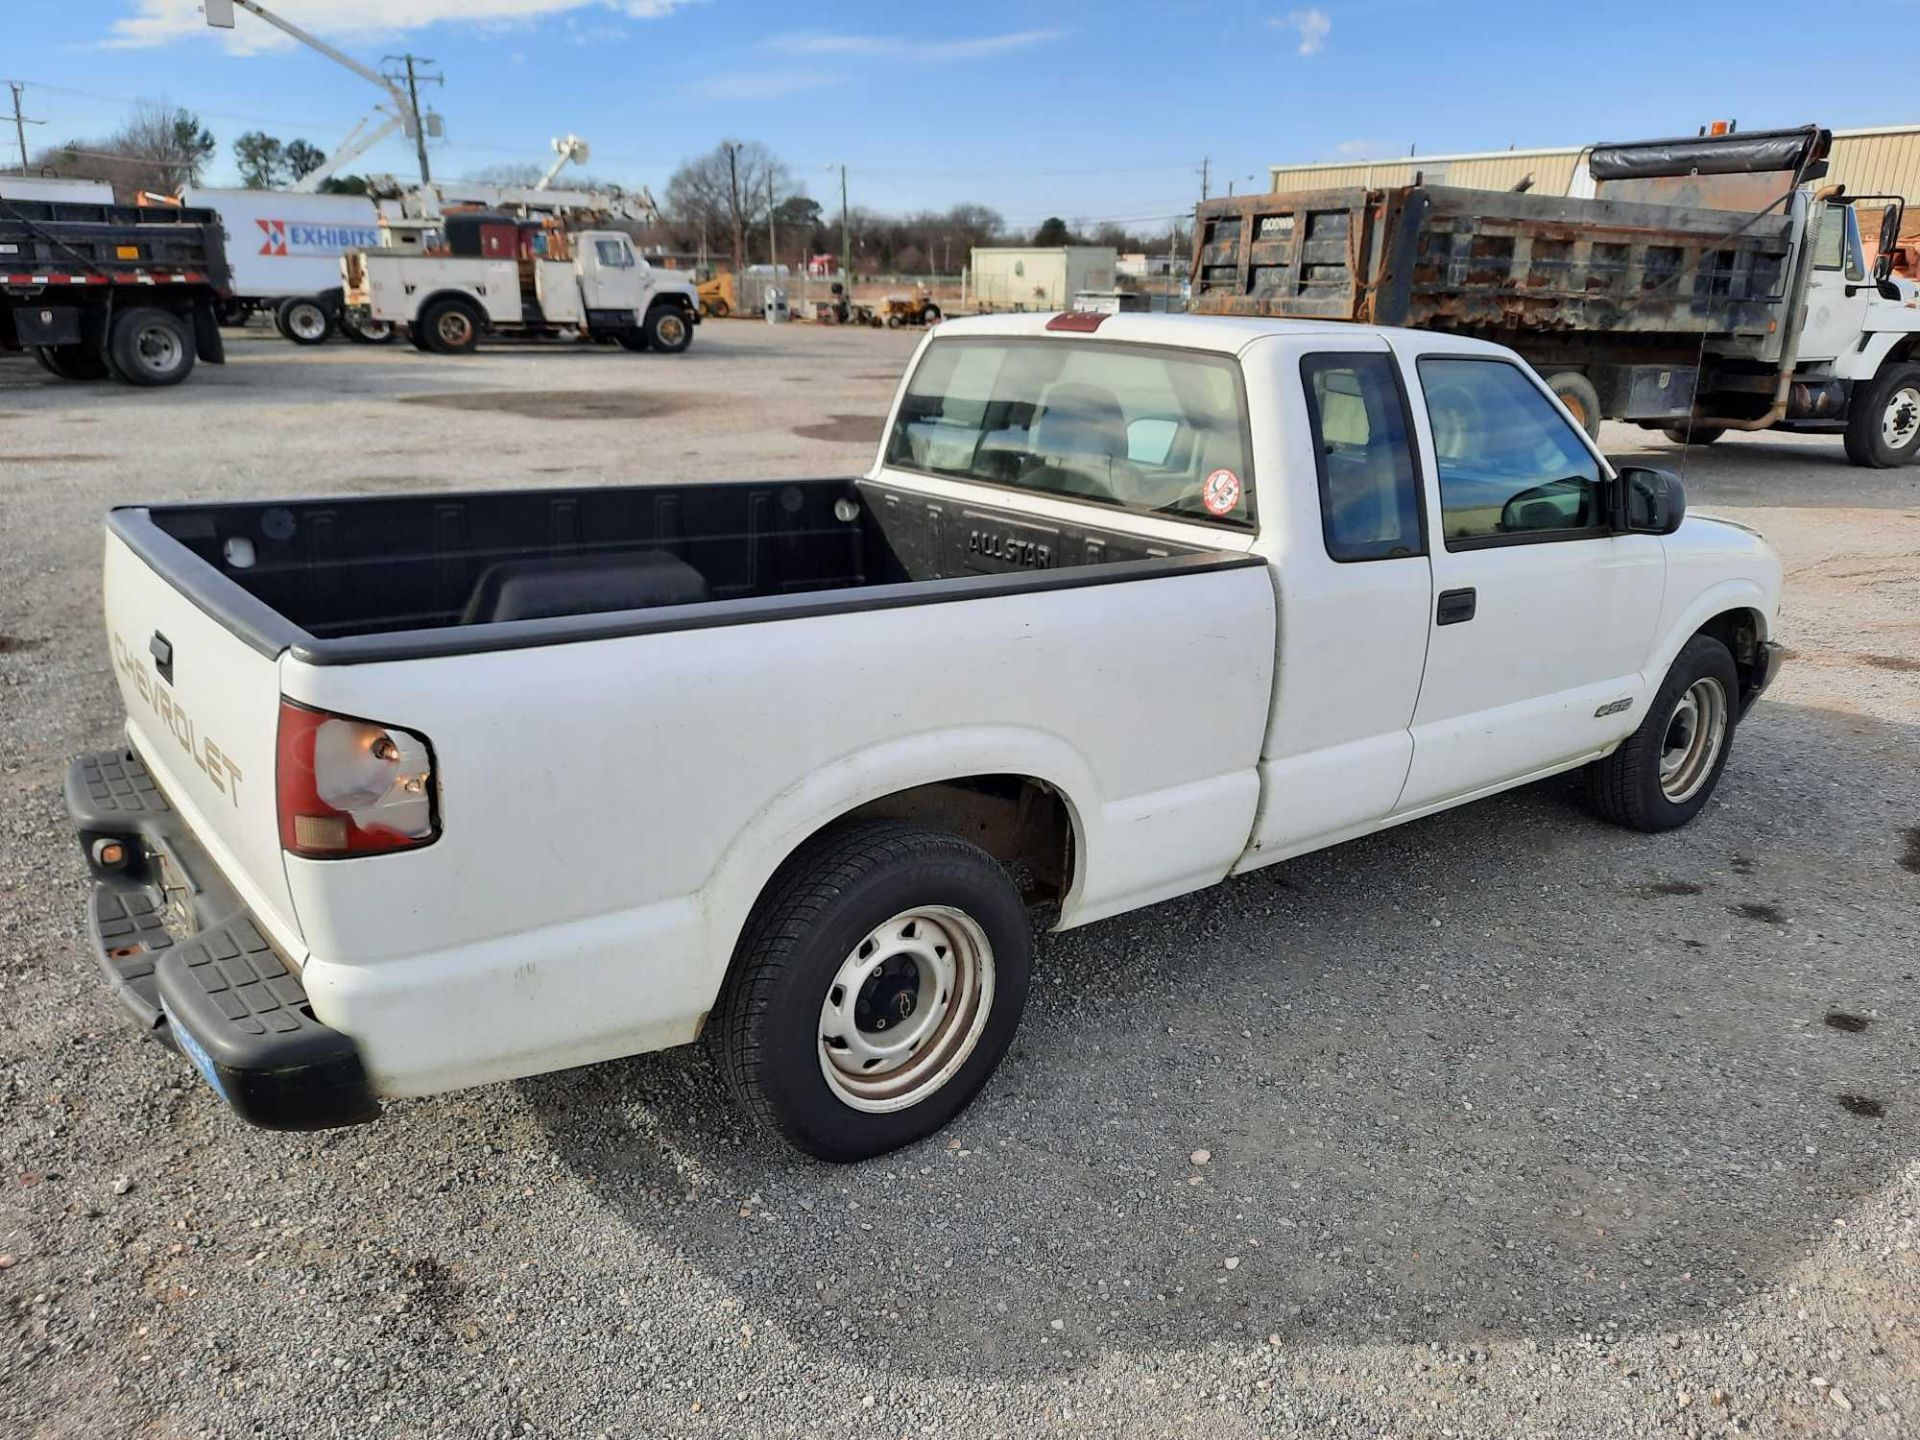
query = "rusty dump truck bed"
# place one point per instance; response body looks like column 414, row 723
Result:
column 1499, row 264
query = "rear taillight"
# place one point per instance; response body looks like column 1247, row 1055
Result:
column 351, row 787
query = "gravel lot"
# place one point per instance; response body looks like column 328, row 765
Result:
column 1515, row 1124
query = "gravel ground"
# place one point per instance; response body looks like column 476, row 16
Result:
column 1504, row 1123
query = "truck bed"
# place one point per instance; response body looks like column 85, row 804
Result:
column 103, row 244
column 1493, row 263
column 340, row 581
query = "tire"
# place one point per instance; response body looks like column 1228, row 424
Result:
column 150, row 347
column 1576, row 392
column 720, row 310
column 668, row 329
column 1659, row 779
column 73, row 362
column 233, row 314
column 1883, row 422
column 634, row 340
column 368, row 332
column 304, row 321
column 894, row 902
column 449, row 327
column 1697, row 435
column 930, row 315
column 894, row 322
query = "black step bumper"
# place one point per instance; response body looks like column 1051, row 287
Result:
column 216, row 991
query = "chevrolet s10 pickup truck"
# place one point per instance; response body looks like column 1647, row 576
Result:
column 421, row 792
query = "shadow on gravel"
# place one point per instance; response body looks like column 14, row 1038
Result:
column 1768, row 473
column 1506, row 1072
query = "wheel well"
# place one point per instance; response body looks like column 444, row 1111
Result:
column 1022, row 822
column 1904, row 350
column 471, row 302
column 1741, row 631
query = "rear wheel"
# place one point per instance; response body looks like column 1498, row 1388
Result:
column 73, row 362
column 1576, row 392
column 1665, row 771
column 930, row 315
column 450, row 327
column 668, row 329
column 876, row 986
column 304, row 321
column 232, row 313
column 366, row 332
column 150, row 347
column 1883, row 422
column 1692, row 435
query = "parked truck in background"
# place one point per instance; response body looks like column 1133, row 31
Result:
column 481, row 274
column 423, row 791
column 284, row 250
column 1708, row 284
column 97, row 290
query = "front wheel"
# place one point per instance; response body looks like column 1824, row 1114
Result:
column 1663, row 773
column 1883, row 422
column 304, row 321
column 668, row 329
column 450, row 327
column 875, row 988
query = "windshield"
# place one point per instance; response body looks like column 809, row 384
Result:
column 1158, row 431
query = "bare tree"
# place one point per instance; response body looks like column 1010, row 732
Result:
column 160, row 148
column 726, row 191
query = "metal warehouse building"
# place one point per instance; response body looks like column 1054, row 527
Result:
column 1881, row 159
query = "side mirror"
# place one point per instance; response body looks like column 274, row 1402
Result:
column 1891, row 219
column 1652, row 502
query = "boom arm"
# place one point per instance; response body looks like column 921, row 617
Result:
column 350, row 149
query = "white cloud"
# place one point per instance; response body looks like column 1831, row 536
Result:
column 1311, row 25
column 824, row 43
column 159, row 22
column 766, row 83
column 1354, row 149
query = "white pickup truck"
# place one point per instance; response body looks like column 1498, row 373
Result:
column 486, row 274
column 426, row 791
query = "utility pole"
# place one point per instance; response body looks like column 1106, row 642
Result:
column 20, row 121
column 846, row 239
column 1206, row 166
column 773, row 250
column 414, row 80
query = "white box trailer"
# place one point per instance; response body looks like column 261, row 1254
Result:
column 285, row 250
column 40, row 187
column 1038, row 277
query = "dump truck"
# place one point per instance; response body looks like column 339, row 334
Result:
column 478, row 273
column 98, row 291
column 1707, row 284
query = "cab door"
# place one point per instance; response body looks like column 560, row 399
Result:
column 1839, row 291
column 1542, row 617
column 1344, row 531
column 612, row 276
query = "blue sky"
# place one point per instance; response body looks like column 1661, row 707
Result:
column 1090, row 109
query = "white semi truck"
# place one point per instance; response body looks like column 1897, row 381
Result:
column 480, row 273
column 284, row 248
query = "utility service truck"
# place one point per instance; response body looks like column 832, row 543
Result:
column 481, row 274
column 1704, row 285
column 97, row 290
column 419, row 792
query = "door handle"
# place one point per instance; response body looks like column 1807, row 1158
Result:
column 1456, row 606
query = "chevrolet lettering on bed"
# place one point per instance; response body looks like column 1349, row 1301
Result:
column 564, row 775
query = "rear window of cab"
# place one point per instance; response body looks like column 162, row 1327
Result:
column 1153, row 430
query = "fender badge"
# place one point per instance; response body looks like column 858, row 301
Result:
column 1614, row 707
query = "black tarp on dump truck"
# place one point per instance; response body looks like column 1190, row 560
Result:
column 111, row 290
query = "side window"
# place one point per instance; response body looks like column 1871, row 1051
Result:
column 614, row 253
column 1830, row 249
column 1511, row 468
column 1369, row 494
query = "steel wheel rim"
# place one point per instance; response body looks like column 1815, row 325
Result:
column 306, row 322
column 455, row 328
column 1696, row 730
column 670, row 329
column 159, row 348
column 376, row 329
column 1901, row 419
column 906, row 1008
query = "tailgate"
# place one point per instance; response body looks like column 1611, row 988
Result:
column 203, row 710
